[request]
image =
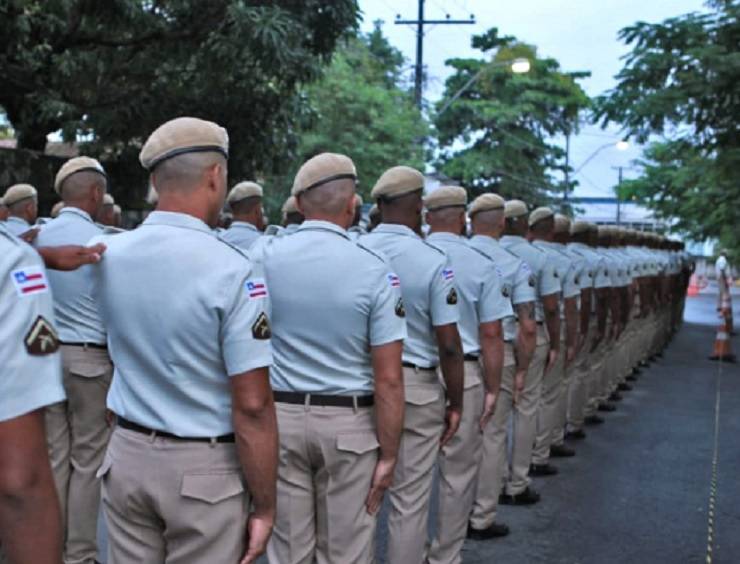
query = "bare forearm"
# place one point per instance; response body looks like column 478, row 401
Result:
column 601, row 311
column 552, row 320
column 526, row 337
column 257, row 447
column 586, row 296
column 571, row 322
column 492, row 351
column 451, row 363
column 389, row 403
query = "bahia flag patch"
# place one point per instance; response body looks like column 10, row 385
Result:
column 448, row 274
column 256, row 288
column 394, row 280
column 29, row 280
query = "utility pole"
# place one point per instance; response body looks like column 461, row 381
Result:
column 419, row 23
column 619, row 200
column 567, row 169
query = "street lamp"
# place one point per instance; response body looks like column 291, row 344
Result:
column 621, row 145
column 517, row 66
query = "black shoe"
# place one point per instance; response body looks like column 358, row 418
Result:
column 496, row 530
column 607, row 407
column 593, row 420
column 631, row 378
column 623, row 387
column 562, row 451
column 636, row 370
column 615, row 396
column 542, row 470
column 527, row 497
column 578, row 435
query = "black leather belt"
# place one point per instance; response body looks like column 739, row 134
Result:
column 412, row 365
column 471, row 357
column 131, row 426
column 300, row 398
column 86, row 345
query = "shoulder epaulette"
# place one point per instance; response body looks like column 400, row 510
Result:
column 377, row 255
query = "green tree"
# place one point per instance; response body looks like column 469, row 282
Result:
column 498, row 134
column 110, row 72
column 681, row 81
column 361, row 108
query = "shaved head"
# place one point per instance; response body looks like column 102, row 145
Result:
column 185, row 172
column 331, row 198
column 78, row 186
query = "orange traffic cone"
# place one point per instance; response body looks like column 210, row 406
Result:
column 722, row 349
column 693, row 289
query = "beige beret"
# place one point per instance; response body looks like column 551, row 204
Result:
column 446, row 197
column 398, row 181
column 515, row 208
column 2, row 201
column 358, row 200
column 117, row 209
column 18, row 192
column 486, row 202
column 539, row 214
column 243, row 190
column 562, row 223
column 56, row 208
column 183, row 135
column 74, row 165
column 374, row 211
column 605, row 230
column 108, row 200
column 580, row 227
column 289, row 206
column 321, row 169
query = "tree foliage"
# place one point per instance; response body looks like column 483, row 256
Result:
column 498, row 135
column 362, row 107
column 681, row 81
column 110, row 72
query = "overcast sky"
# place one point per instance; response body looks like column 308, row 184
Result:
column 580, row 34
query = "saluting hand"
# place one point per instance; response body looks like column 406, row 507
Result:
column 259, row 530
column 71, row 257
column 30, row 235
column 382, row 480
column 489, row 406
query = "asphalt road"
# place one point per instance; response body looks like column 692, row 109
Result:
column 638, row 490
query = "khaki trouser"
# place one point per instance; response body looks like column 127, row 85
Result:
column 595, row 366
column 458, row 469
column 327, row 459
column 578, row 391
column 412, row 484
column 548, row 410
column 494, row 461
column 77, row 433
column 171, row 501
column 525, row 418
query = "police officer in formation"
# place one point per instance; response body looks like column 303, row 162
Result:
column 379, row 356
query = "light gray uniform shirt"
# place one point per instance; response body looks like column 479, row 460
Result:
column 17, row 225
column 77, row 314
column 184, row 312
column 547, row 279
column 517, row 279
column 427, row 285
column 241, row 234
column 479, row 286
column 30, row 378
column 332, row 300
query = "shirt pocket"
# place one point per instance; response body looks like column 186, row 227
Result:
column 424, row 394
column 359, row 442
column 213, row 487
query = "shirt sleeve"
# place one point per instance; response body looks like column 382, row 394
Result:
column 443, row 295
column 601, row 274
column 571, row 286
column 30, row 379
column 387, row 321
column 493, row 303
column 549, row 281
column 245, row 329
column 524, row 285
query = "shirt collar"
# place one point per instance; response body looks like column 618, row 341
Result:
column 243, row 225
column 16, row 219
column 76, row 211
column 444, row 236
column 513, row 238
column 177, row 219
column 395, row 228
column 487, row 239
column 317, row 224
